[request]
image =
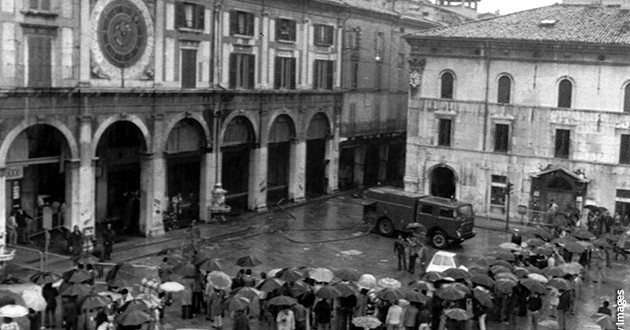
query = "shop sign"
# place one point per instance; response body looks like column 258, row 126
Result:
column 14, row 172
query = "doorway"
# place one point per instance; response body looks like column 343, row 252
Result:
column 443, row 182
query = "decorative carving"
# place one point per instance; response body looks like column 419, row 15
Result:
column 122, row 33
column 416, row 69
column 97, row 72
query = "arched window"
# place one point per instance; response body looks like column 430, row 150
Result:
column 505, row 89
column 626, row 98
column 446, row 91
column 565, row 93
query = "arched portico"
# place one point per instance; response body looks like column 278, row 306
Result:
column 281, row 154
column 318, row 135
column 238, row 161
column 443, row 181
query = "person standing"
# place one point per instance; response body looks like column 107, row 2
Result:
column 75, row 241
column 187, row 299
column 216, row 307
column 323, row 315
column 563, row 308
column 415, row 247
column 12, row 229
column 241, row 322
column 50, row 295
column 410, row 317
column 394, row 315
column 534, row 304
column 9, row 324
column 108, row 242
column 285, row 319
column 22, row 218
column 400, row 246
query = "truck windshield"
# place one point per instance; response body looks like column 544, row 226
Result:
column 465, row 211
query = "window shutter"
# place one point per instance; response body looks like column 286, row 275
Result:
column 250, row 24
column 316, row 35
column 292, row 72
column 329, row 74
column 179, row 14
column 251, row 70
column 278, row 74
column 200, row 13
column 316, row 74
column 233, row 22
column 330, row 35
column 45, row 5
column 233, row 70
column 292, row 29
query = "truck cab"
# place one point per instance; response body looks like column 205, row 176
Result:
column 391, row 209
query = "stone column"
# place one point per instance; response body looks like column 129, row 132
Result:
column 82, row 213
column 3, row 207
column 383, row 160
column 208, row 177
column 257, row 192
column 264, row 52
column 332, row 163
column 152, row 189
column 73, row 196
column 297, row 169
column 84, row 49
column 359, row 165
column 160, row 27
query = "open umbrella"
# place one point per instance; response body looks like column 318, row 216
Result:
column 347, row 274
column 534, row 269
column 10, row 298
column 80, row 276
column 583, row 234
column 500, row 262
column 483, row 296
column 187, row 270
column 553, row 271
column 13, row 311
column 209, row 265
column 282, row 301
column 506, row 276
column 94, row 301
column 574, row 247
column 542, row 251
column 541, row 233
column 321, row 274
column 534, row 242
column 450, row 293
column 219, row 280
column 135, row 304
column 86, row 259
column 367, row 281
column 457, row 273
column 248, row 261
column 604, row 321
column 327, row 292
column 346, row 288
column 602, row 243
column 388, row 283
column 478, row 269
column 520, row 272
column 390, row 294
column 172, row 287
column 236, row 303
column 420, row 286
column 505, row 286
column 119, row 282
column 76, row 290
column 249, row 293
column 538, row 277
column 533, row 285
column 559, row 283
column 150, row 300
column 299, row 289
column 461, row 287
column 572, row 268
column 458, row 314
column 509, row 246
column 111, row 295
column 42, row 278
column 433, row 276
column 507, row 256
column 415, row 296
column 499, row 269
column 133, row 317
column 484, row 280
column 270, row 284
column 366, row 322
column 289, row 274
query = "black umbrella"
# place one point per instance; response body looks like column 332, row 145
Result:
column 533, row 285
column 450, row 293
column 458, row 314
column 248, row 261
column 390, row 294
column 45, row 278
column 347, row 274
column 457, row 273
column 327, row 292
column 433, row 276
column 483, row 297
column 484, row 280
column 187, row 270
column 282, row 301
column 133, row 317
column 289, row 274
column 415, row 296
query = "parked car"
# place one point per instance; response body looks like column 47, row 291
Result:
column 443, row 260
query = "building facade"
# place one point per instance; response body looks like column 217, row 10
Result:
column 537, row 99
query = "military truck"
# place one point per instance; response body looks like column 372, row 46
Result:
column 390, row 210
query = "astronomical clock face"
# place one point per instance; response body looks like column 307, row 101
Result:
column 122, row 38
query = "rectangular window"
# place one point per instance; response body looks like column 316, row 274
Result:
column 444, row 132
column 285, row 30
column 189, row 68
column 351, row 39
column 428, row 209
column 354, row 74
column 323, row 74
column 379, row 46
column 39, row 61
column 497, row 190
column 242, row 70
column 39, row 5
column 624, row 149
column 189, row 15
column 285, row 73
column 563, row 142
column 241, row 23
column 501, row 137
column 324, row 35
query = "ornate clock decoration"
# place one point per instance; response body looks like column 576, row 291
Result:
column 122, row 39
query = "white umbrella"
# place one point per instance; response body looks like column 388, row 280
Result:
column 538, row 277
column 13, row 311
column 388, row 282
column 367, row 281
column 219, row 280
column 273, row 272
column 321, row 274
column 171, row 287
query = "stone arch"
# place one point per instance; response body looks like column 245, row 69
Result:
column 197, row 117
column 272, row 121
column 248, row 117
column 113, row 119
column 433, row 186
column 32, row 121
column 310, row 122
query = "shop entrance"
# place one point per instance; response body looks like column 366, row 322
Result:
column 317, row 138
column 443, row 182
column 238, row 142
column 279, row 156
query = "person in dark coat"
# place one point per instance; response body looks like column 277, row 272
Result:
column 323, row 314
column 516, row 237
column 50, row 295
column 108, row 242
column 241, row 322
column 34, row 319
column 75, row 241
column 21, row 219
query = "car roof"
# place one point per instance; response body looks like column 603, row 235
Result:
column 445, row 254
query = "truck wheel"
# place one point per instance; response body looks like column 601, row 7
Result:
column 385, row 227
column 439, row 240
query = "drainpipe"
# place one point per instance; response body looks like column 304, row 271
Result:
column 486, row 110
